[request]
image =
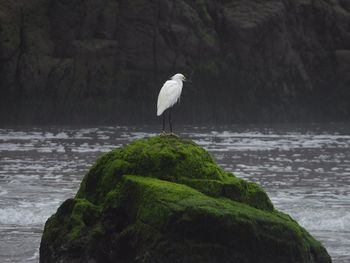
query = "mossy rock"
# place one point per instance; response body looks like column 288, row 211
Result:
column 164, row 199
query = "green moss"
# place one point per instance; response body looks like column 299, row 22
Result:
column 84, row 214
column 165, row 199
column 234, row 189
column 172, row 159
column 164, row 157
column 166, row 206
column 71, row 220
column 53, row 227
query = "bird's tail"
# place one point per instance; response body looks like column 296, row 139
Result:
column 160, row 111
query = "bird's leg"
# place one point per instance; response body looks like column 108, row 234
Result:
column 163, row 130
column 170, row 123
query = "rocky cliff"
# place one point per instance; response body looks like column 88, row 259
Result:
column 164, row 199
column 105, row 61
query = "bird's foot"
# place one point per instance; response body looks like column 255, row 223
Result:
column 163, row 133
column 173, row 134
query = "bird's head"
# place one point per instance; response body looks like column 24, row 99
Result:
column 178, row 76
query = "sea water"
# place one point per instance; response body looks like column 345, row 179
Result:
column 304, row 168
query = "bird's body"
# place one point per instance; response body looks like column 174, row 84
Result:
column 169, row 94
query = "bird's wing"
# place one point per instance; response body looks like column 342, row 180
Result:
column 168, row 96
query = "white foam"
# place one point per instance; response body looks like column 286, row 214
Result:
column 85, row 148
column 334, row 220
column 35, row 256
column 254, row 141
column 23, row 216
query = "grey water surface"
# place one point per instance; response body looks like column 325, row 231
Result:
column 304, row 168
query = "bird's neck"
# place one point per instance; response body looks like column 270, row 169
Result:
column 180, row 84
column 179, row 81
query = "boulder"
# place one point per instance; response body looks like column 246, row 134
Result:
column 164, row 199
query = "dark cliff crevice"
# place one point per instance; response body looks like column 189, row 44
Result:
column 21, row 51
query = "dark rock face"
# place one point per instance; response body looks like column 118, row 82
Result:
column 164, row 199
column 105, row 61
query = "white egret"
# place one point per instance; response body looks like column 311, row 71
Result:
column 169, row 94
